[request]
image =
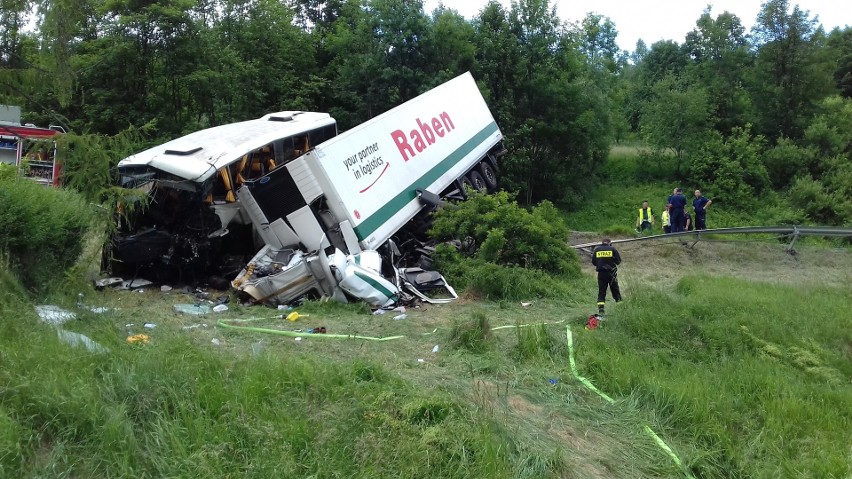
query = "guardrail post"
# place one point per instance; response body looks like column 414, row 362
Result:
column 790, row 248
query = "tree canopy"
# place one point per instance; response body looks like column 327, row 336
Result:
column 561, row 91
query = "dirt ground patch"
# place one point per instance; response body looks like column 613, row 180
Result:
column 666, row 260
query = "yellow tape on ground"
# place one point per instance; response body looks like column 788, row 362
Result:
column 657, row 439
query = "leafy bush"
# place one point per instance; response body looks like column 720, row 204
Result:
column 41, row 231
column 829, row 199
column 7, row 171
column 786, row 161
column 497, row 282
column 731, row 168
column 507, row 234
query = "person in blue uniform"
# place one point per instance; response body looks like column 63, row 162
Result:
column 676, row 213
column 606, row 259
column 700, row 205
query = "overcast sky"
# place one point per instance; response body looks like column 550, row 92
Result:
column 653, row 20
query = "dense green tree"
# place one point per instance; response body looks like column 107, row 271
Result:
column 496, row 63
column 720, row 60
column 841, row 42
column 597, row 40
column 677, row 117
column 663, row 60
column 379, row 58
column 561, row 128
column 449, row 48
column 788, row 79
column 13, row 16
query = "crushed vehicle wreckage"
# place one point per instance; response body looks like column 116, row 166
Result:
column 283, row 207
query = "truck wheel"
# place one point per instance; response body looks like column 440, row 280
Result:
column 478, row 181
column 489, row 175
column 465, row 185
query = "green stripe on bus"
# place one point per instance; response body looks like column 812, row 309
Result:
column 371, row 224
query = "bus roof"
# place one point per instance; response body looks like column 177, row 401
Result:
column 197, row 156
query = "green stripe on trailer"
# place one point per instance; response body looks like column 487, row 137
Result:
column 371, row 224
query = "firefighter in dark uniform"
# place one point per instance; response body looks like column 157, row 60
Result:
column 606, row 259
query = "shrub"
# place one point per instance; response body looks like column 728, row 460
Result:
column 731, row 167
column 41, row 231
column 497, row 282
column 786, row 161
column 7, row 171
column 826, row 200
column 507, row 234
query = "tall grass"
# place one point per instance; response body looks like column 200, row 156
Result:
column 758, row 377
column 174, row 409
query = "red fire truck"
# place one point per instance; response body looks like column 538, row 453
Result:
column 30, row 148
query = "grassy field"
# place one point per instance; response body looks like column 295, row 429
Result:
column 737, row 353
column 742, row 378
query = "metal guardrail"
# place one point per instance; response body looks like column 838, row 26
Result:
column 793, row 231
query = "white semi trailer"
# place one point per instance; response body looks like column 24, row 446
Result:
column 320, row 203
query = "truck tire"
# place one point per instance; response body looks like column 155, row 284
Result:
column 478, row 181
column 465, row 184
column 489, row 175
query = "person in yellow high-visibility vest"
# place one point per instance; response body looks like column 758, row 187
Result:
column 645, row 221
column 667, row 221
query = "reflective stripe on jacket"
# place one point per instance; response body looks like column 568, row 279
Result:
column 642, row 212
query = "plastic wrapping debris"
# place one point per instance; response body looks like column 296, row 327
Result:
column 379, row 312
column 526, row 305
column 77, row 339
column 54, row 315
column 149, row 325
column 108, row 282
column 436, row 348
column 135, row 283
column 165, row 288
column 202, row 325
column 220, row 308
column 216, row 342
column 194, row 309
